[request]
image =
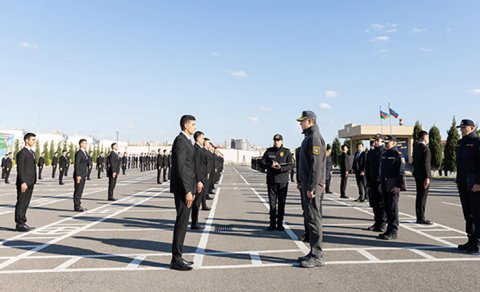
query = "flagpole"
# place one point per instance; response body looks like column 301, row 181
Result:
column 381, row 119
column 390, row 118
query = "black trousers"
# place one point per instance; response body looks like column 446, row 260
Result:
column 61, row 173
column 471, row 211
column 112, row 182
column 159, row 173
column 40, row 169
column 124, row 168
column 54, row 170
column 277, row 192
column 211, row 182
column 66, row 170
column 376, row 202
column 3, row 172
column 362, row 185
column 165, row 174
column 23, row 200
column 391, row 209
column 292, row 176
column 169, row 174
column 78, row 191
column 199, row 198
column 181, row 225
column 327, row 184
column 313, row 217
column 100, row 170
column 421, row 200
column 89, row 172
column 343, row 184
column 7, row 174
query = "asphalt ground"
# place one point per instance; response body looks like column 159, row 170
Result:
column 125, row 245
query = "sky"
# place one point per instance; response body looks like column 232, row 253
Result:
column 244, row 69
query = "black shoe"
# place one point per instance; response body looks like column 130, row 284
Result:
column 388, row 236
column 7, row 182
column 304, row 258
column 362, row 200
column 206, row 208
column 344, row 197
column 371, row 228
column 271, row 228
column 112, row 199
column 473, row 249
column 180, row 266
column 312, row 262
column 425, row 222
column 329, row 193
column 359, row 199
column 209, row 198
column 197, row 226
column 210, row 193
column 22, row 228
column 305, row 238
column 61, row 184
column 280, row 227
column 79, row 209
column 467, row 245
column 187, row 262
column 378, row 229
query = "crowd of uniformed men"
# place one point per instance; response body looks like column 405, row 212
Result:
column 195, row 165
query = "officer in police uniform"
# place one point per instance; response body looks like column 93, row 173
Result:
column 311, row 183
column 392, row 181
column 278, row 162
column 468, row 183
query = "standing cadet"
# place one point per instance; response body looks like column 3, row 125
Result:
column 211, row 171
column 422, row 173
column 40, row 164
column 344, row 170
column 141, row 162
column 305, row 237
column 26, row 180
column 392, row 180
column 328, row 169
column 3, row 166
column 100, row 164
column 159, row 166
column 294, row 166
column 124, row 163
column 63, row 166
column 311, row 183
column 67, row 166
column 468, row 183
column 183, row 186
column 278, row 162
column 359, row 168
column 165, row 165
column 8, row 166
column 113, row 169
column 201, row 170
column 372, row 168
column 90, row 165
column 80, row 171
column 54, row 164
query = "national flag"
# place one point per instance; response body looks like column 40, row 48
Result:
column 383, row 115
column 393, row 113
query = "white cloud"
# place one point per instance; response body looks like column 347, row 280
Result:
column 325, row 106
column 238, row 74
column 331, row 93
column 264, row 109
column 426, row 50
column 418, row 30
column 475, row 91
column 378, row 39
column 215, row 54
column 27, row 45
column 253, row 120
column 386, row 28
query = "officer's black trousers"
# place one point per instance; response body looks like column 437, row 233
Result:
column 421, row 200
column 327, row 185
column 40, row 169
column 277, row 192
column 343, row 184
column 199, row 199
column 313, row 216
column 165, row 174
column 471, row 210
column 3, row 173
column 362, row 185
column 7, row 174
column 89, row 172
column 391, row 209
column 61, row 173
column 159, row 172
column 112, row 182
column 376, row 202
column 181, row 224
column 23, row 200
column 292, row 176
column 78, row 191
column 54, row 170
column 99, row 172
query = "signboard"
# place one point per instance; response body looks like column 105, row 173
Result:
column 6, row 143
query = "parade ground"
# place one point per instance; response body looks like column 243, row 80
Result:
column 125, row 245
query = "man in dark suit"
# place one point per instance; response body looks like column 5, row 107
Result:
column 359, row 169
column 328, row 169
column 80, row 171
column 422, row 171
column 40, row 164
column 159, row 166
column 3, row 166
column 54, row 164
column 183, row 186
column 67, row 166
column 8, row 166
column 124, row 162
column 201, row 164
column 63, row 166
column 100, row 164
column 113, row 169
column 26, row 179
column 90, row 165
column 165, row 165
column 344, row 170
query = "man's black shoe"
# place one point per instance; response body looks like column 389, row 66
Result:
column 61, row 184
column 187, row 262
column 80, row 209
column 305, row 238
column 388, row 236
column 22, row 228
column 112, row 199
column 466, row 245
column 371, row 228
column 271, row 228
column 280, row 227
column 180, row 266
column 344, row 197
column 206, row 208
column 472, row 249
column 425, row 222
column 197, row 226
column 209, row 198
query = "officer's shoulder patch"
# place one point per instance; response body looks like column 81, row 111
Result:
column 316, row 150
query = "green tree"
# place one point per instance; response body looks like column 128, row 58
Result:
column 37, row 151
column 435, row 148
column 51, row 151
column 450, row 147
column 16, row 148
column 416, row 130
column 45, row 152
column 72, row 152
column 59, row 148
column 336, row 151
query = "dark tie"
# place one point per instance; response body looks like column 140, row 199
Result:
column 33, row 153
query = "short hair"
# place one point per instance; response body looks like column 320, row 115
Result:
column 81, row 141
column 197, row 135
column 344, row 145
column 185, row 119
column 113, row 144
column 329, row 147
column 359, row 143
column 28, row 136
column 422, row 134
column 64, row 150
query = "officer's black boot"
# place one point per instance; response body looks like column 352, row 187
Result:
column 466, row 245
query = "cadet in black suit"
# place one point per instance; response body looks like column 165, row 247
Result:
column 113, row 169
column 3, row 166
column 183, row 186
column 80, row 171
column 63, row 166
column 67, row 166
column 359, row 169
column 8, row 166
column 159, row 166
column 344, row 169
column 40, row 164
column 201, row 170
column 26, row 179
column 90, row 164
column 100, row 164
column 423, row 173
column 165, row 165
column 124, row 162
column 54, row 164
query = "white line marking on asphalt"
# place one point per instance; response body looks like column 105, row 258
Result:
column 67, row 264
column 256, row 260
column 136, row 262
column 246, row 182
column 452, row 204
column 368, row 255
